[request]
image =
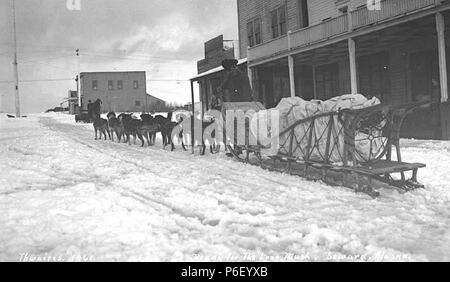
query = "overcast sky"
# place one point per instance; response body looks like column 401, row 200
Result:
column 163, row 37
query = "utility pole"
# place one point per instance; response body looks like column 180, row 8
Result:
column 78, row 79
column 16, row 69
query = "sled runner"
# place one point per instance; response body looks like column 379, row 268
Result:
column 354, row 148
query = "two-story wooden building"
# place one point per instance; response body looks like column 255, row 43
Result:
column 392, row 49
column 119, row 91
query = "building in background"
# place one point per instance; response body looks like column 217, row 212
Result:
column 155, row 104
column 210, row 70
column 72, row 100
column 392, row 49
column 119, row 91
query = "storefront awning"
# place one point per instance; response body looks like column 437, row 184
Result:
column 215, row 70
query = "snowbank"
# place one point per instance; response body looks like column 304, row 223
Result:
column 65, row 195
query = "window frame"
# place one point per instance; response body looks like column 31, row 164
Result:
column 250, row 34
column 135, row 84
column 255, row 38
column 303, row 13
column 94, row 85
column 110, row 85
column 276, row 24
column 119, row 84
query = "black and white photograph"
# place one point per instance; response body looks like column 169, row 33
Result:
column 238, row 132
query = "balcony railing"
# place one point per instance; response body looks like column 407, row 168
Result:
column 319, row 32
column 389, row 9
column 272, row 47
column 337, row 26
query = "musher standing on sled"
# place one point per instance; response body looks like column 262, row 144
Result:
column 236, row 84
column 234, row 88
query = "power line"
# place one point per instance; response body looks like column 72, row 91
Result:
column 53, row 66
column 39, row 80
column 45, row 59
column 104, row 52
column 70, row 79
column 134, row 57
column 116, row 57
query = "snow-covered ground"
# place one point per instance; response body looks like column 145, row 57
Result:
column 65, row 196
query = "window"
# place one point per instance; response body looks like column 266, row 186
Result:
column 250, row 34
column 110, row 85
column 257, row 28
column 94, row 85
column 274, row 16
column 120, row 84
column 303, row 13
column 327, row 81
column 138, row 103
column 281, row 88
column 283, row 22
column 135, row 84
column 254, row 32
column 279, row 24
column 373, row 73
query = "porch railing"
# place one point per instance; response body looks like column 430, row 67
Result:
column 319, row 32
column 333, row 27
column 272, row 47
column 301, row 37
column 389, row 9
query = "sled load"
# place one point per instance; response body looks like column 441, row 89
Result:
column 346, row 141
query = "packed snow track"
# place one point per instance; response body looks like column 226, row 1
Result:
column 64, row 194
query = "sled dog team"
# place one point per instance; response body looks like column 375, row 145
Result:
column 125, row 125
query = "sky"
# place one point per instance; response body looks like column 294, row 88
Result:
column 164, row 38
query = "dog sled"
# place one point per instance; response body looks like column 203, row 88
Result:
column 354, row 148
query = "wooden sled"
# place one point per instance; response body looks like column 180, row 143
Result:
column 338, row 160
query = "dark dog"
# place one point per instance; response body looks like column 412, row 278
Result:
column 114, row 126
column 149, row 128
column 101, row 125
column 160, row 120
column 131, row 126
column 167, row 128
column 213, row 148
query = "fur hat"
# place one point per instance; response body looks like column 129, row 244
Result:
column 228, row 63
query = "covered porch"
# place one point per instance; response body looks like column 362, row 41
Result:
column 398, row 64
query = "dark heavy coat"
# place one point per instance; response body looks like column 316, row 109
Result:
column 94, row 109
column 236, row 87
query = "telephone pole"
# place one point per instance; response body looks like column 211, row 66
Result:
column 16, row 70
column 78, row 78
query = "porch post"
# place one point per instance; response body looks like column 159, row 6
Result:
column 208, row 91
column 250, row 75
column 444, row 107
column 193, row 115
column 353, row 74
column 440, row 26
column 314, row 81
column 291, row 67
column 291, row 75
